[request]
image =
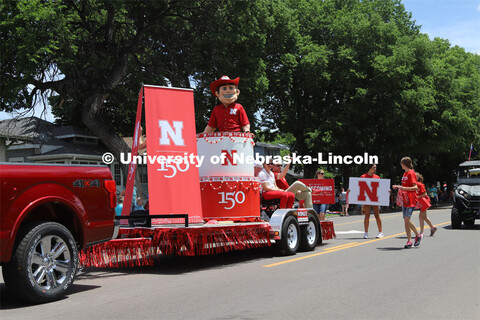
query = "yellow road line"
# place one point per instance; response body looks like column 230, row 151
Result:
column 341, row 247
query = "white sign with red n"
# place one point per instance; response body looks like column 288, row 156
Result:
column 369, row 191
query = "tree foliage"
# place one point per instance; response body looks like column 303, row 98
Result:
column 355, row 76
column 340, row 76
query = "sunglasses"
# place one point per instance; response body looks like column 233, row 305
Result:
column 320, row 173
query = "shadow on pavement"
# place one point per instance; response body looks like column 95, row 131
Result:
column 9, row 300
column 464, row 227
column 395, row 248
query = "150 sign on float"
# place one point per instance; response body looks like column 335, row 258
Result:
column 233, row 198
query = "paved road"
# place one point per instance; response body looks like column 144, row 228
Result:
column 345, row 278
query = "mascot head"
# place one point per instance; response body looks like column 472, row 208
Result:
column 226, row 90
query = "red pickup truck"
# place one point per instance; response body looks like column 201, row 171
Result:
column 48, row 213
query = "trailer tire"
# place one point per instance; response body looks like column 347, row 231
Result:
column 290, row 240
column 44, row 263
column 310, row 234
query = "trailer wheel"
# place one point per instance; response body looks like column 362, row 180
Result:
column 290, row 237
column 310, row 234
column 44, row 263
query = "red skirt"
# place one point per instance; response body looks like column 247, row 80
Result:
column 423, row 204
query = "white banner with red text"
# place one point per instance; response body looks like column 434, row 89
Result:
column 369, row 191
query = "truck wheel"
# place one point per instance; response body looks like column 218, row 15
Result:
column 310, row 234
column 456, row 219
column 44, row 263
column 290, row 237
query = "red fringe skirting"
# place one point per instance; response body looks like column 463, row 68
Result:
column 328, row 231
column 141, row 246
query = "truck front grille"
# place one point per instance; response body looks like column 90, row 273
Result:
column 474, row 203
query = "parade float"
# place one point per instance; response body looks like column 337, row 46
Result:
column 203, row 196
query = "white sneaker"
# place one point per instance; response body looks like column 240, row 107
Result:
column 380, row 235
column 365, row 236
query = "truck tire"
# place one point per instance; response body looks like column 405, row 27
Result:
column 44, row 263
column 456, row 219
column 290, row 237
column 310, row 234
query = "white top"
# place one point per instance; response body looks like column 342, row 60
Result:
column 268, row 178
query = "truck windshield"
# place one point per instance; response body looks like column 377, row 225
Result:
column 469, row 172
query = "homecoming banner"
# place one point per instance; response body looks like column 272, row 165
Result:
column 369, row 191
column 323, row 190
column 173, row 179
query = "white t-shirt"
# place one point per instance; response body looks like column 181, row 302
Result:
column 268, row 178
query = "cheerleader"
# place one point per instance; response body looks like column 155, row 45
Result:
column 423, row 204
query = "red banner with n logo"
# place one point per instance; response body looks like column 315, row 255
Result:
column 132, row 168
column 173, row 178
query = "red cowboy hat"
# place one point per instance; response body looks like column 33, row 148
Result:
column 222, row 81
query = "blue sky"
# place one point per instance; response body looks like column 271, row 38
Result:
column 455, row 20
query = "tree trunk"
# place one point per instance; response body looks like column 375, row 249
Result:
column 91, row 116
column 94, row 122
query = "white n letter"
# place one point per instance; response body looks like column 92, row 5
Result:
column 167, row 130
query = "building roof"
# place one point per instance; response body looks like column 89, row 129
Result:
column 26, row 129
column 38, row 130
column 70, row 131
column 35, row 132
column 270, row 145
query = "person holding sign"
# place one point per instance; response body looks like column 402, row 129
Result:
column 366, row 209
column 227, row 116
column 320, row 208
column 407, row 192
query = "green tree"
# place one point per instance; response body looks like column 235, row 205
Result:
column 353, row 76
column 453, row 120
column 340, row 76
column 94, row 57
column 327, row 78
